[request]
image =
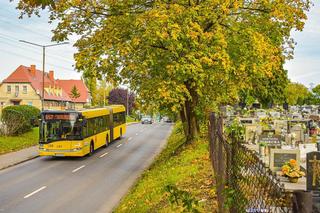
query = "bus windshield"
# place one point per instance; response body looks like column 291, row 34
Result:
column 60, row 127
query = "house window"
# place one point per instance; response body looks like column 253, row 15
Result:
column 25, row 89
column 30, row 103
column 8, row 89
column 17, row 88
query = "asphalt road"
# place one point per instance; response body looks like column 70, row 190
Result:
column 88, row 184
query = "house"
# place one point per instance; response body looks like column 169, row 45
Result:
column 24, row 87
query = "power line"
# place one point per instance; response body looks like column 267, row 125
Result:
column 33, row 50
column 39, row 61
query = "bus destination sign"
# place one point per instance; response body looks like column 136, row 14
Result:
column 60, row 117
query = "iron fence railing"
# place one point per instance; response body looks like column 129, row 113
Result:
column 243, row 182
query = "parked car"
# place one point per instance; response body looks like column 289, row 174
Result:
column 146, row 120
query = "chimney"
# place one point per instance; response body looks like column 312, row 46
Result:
column 33, row 69
column 51, row 75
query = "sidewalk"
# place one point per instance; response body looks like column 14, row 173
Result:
column 13, row 158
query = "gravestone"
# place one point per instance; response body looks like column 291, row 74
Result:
column 299, row 132
column 250, row 133
column 280, row 126
column 313, row 171
column 306, row 148
column 269, row 137
column 247, row 121
column 278, row 157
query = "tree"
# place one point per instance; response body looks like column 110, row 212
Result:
column 316, row 94
column 267, row 90
column 74, row 94
column 183, row 56
column 121, row 96
column 296, row 93
column 102, row 93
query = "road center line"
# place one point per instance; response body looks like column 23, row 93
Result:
column 129, row 139
column 119, row 145
column 32, row 193
column 104, row 154
column 77, row 169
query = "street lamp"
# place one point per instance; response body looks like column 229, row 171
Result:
column 127, row 101
column 43, row 62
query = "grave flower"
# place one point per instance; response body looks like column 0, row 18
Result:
column 292, row 171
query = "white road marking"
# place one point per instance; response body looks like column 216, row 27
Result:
column 32, row 193
column 129, row 139
column 77, row 169
column 101, row 156
column 141, row 130
column 119, row 145
column 137, row 133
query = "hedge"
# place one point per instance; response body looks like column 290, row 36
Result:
column 19, row 119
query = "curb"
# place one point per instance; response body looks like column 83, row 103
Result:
column 19, row 162
column 131, row 123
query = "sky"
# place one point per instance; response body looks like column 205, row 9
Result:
column 36, row 30
column 304, row 68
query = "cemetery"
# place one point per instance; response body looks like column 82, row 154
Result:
column 286, row 147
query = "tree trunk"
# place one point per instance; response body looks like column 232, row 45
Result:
column 184, row 121
column 190, row 106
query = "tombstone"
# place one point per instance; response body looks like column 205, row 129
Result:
column 280, row 126
column 278, row 157
column 247, row 121
column 256, row 106
column 313, row 171
column 306, row 148
column 298, row 130
column 250, row 132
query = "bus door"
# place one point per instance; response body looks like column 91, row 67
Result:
column 111, row 124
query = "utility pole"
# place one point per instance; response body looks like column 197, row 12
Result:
column 43, row 63
column 127, row 101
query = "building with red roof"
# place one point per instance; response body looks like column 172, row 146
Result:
column 24, row 87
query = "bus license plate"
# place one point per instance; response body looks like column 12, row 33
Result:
column 59, row 155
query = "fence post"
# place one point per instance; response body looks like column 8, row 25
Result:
column 221, row 165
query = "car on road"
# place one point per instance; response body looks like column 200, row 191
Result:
column 146, row 120
column 167, row 120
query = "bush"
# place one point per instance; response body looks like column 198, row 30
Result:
column 19, row 119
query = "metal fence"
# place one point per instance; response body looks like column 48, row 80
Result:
column 244, row 184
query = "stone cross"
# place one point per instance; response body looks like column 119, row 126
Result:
column 315, row 170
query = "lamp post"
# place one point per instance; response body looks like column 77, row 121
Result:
column 43, row 63
column 127, row 101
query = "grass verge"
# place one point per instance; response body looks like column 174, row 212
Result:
column 130, row 119
column 15, row 143
column 186, row 167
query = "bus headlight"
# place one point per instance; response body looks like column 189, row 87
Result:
column 77, row 149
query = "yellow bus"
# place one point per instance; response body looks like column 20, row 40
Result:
column 78, row 133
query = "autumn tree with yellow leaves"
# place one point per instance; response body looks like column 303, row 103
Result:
column 186, row 56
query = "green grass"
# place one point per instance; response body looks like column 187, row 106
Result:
column 186, row 166
column 130, row 119
column 15, row 143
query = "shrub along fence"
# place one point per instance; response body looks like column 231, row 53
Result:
column 19, row 119
column 244, row 184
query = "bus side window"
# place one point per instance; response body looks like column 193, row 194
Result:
column 91, row 126
column 115, row 119
column 84, row 131
column 123, row 117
